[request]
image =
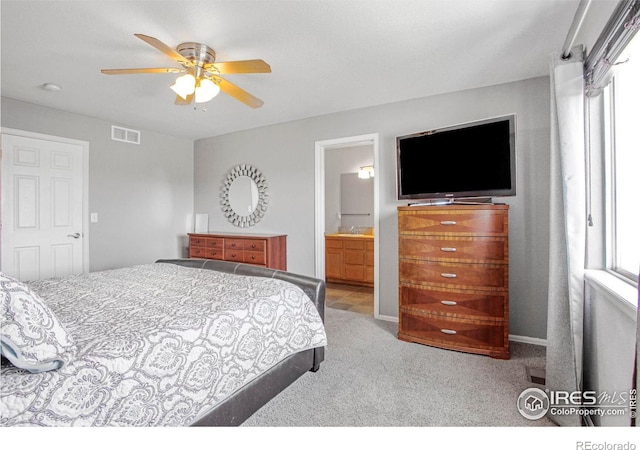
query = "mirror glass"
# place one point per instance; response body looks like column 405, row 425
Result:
column 243, row 196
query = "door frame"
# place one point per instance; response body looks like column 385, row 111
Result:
column 85, row 182
column 320, row 148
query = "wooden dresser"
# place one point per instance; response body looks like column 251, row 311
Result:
column 349, row 259
column 266, row 250
column 454, row 277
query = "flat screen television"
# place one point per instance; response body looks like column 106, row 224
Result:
column 467, row 161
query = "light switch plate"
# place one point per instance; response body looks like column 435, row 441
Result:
column 94, row 218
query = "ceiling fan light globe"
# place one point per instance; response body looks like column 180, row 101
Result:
column 206, row 90
column 184, row 86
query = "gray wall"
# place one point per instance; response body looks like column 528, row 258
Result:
column 285, row 154
column 142, row 193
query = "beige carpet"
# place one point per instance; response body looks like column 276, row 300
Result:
column 370, row 378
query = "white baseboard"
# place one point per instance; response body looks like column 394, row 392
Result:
column 387, row 318
column 528, row 340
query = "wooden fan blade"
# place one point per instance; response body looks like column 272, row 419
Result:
column 183, row 102
column 141, row 70
column 248, row 66
column 238, row 93
column 164, row 48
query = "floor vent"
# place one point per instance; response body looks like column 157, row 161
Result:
column 536, row 375
column 125, row 135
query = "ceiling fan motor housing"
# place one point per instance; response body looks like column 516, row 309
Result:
column 199, row 54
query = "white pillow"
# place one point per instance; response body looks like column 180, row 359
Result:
column 31, row 336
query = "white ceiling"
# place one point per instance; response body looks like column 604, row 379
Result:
column 326, row 55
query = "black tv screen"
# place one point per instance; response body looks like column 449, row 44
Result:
column 470, row 160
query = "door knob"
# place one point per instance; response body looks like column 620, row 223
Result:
column 74, row 235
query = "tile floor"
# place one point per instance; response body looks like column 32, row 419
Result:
column 352, row 298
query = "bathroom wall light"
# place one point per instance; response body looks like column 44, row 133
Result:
column 365, row 172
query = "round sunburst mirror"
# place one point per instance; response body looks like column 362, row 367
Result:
column 244, row 195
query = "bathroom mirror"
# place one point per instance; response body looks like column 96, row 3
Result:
column 244, row 195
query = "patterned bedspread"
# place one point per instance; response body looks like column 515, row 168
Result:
column 158, row 345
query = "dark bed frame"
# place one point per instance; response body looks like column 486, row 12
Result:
column 250, row 398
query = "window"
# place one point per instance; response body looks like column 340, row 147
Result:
column 622, row 173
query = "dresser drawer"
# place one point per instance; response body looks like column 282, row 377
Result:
column 456, row 334
column 481, row 222
column 197, row 252
column 253, row 257
column 234, row 244
column 254, row 245
column 489, row 306
column 196, row 241
column 447, row 248
column 215, row 243
column 452, row 275
column 214, row 253
column 231, row 254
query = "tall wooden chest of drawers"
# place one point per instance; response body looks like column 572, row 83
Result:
column 266, row 250
column 454, row 277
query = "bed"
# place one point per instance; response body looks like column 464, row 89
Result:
column 180, row 342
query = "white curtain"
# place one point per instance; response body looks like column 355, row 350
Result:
column 567, row 228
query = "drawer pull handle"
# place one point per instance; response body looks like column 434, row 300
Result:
column 448, row 275
column 253, row 258
column 253, row 245
column 445, row 331
column 448, row 222
column 448, row 249
column 233, row 245
column 233, row 255
column 449, row 302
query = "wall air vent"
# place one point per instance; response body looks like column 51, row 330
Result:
column 125, row 135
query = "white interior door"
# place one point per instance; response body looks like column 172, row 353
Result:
column 42, row 203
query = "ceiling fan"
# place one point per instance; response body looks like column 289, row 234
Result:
column 201, row 80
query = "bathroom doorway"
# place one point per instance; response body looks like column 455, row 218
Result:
column 347, row 254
